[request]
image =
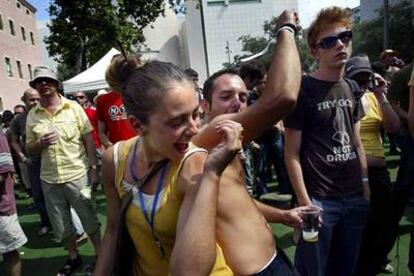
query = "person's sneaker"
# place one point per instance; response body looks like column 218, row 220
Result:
column 81, row 239
column 88, row 269
column 70, row 266
column 387, row 269
column 43, row 231
column 394, row 151
column 31, row 207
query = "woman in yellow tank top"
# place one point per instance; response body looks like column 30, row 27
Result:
column 379, row 114
column 171, row 218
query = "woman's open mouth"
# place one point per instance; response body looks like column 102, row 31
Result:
column 181, row 147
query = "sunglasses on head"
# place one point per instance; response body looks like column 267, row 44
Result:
column 330, row 41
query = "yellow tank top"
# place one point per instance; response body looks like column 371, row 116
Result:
column 149, row 260
column 370, row 126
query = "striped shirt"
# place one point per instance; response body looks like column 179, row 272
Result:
column 7, row 200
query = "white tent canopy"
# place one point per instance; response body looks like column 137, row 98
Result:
column 93, row 78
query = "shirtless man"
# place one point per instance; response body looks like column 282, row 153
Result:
column 242, row 231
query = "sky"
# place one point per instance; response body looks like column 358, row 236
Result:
column 41, row 6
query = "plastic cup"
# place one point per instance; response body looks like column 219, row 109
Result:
column 310, row 217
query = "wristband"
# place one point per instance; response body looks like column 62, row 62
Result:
column 287, row 26
column 365, row 179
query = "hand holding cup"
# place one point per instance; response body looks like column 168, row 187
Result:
column 311, row 217
column 50, row 137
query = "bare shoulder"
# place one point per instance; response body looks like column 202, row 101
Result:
column 191, row 171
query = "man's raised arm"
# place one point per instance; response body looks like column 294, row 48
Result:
column 280, row 93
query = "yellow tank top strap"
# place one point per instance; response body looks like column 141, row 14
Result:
column 192, row 149
column 121, row 151
column 175, row 170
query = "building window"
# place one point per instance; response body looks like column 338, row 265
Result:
column 1, row 23
column 19, row 68
column 29, row 68
column 18, row 5
column 8, row 67
column 27, row 12
column 11, row 24
column 23, row 33
column 32, row 38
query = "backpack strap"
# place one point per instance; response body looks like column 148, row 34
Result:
column 357, row 91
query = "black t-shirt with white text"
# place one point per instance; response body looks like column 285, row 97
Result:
column 326, row 113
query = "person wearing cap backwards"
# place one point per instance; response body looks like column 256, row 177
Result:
column 323, row 151
column 378, row 114
column 60, row 131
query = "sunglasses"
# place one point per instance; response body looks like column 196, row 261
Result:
column 330, row 41
column 44, row 80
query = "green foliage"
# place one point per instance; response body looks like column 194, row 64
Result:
column 82, row 31
column 368, row 36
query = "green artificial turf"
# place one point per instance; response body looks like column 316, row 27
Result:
column 42, row 256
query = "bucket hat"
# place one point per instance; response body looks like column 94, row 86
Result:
column 43, row 72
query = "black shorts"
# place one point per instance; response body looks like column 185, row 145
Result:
column 280, row 266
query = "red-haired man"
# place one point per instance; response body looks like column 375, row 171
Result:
column 324, row 155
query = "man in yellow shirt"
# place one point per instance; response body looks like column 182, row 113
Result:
column 59, row 130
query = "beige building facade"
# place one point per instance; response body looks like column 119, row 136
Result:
column 19, row 50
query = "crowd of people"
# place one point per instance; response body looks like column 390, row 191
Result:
column 182, row 167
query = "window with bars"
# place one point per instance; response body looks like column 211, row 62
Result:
column 11, row 25
column 9, row 70
column 32, row 38
column 23, row 33
column 19, row 68
column 29, row 68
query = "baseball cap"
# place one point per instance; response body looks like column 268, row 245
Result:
column 386, row 53
column 356, row 65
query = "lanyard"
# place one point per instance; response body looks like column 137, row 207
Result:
column 150, row 220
